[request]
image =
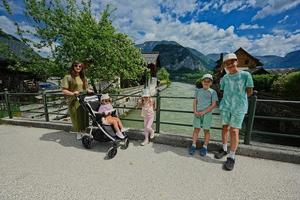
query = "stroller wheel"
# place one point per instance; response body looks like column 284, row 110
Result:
column 112, row 151
column 125, row 144
column 87, row 142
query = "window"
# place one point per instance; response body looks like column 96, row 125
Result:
column 246, row 62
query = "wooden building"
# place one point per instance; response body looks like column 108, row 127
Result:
column 152, row 62
column 246, row 60
column 13, row 80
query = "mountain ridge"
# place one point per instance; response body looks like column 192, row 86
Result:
column 174, row 56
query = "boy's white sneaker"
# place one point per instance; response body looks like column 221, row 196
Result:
column 120, row 135
column 79, row 136
column 152, row 134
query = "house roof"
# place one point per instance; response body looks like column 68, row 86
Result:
column 248, row 54
column 16, row 46
column 150, row 57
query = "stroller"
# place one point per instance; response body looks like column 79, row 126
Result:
column 99, row 131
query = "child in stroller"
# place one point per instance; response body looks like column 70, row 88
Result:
column 107, row 109
column 100, row 131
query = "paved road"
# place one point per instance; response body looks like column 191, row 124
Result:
column 47, row 164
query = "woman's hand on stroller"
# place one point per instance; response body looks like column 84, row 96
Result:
column 90, row 92
column 76, row 93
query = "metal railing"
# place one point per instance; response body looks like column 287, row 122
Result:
column 249, row 118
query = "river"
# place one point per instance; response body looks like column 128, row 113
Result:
column 176, row 89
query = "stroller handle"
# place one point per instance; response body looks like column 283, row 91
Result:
column 82, row 95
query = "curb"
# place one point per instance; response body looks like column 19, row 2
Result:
column 270, row 153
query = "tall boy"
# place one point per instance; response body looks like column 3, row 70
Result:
column 236, row 85
column 204, row 102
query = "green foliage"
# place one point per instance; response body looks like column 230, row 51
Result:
column 288, row 85
column 264, row 82
column 163, row 74
column 72, row 33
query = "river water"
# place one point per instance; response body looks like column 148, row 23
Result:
column 176, row 89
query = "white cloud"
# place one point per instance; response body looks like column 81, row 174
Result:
column 8, row 25
column 16, row 8
column 265, row 7
column 283, row 19
column 133, row 17
column 276, row 45
column 273, row 7
column 249, row 26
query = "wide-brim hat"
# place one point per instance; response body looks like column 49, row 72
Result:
column 207, row 76
column 146, row 93
column 229, row 56
column 105, row 96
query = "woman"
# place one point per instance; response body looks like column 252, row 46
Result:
column 72, row 84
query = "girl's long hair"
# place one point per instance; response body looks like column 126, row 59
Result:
column 81, row 74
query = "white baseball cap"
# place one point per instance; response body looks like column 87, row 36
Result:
column 229, row 56
column 209, row 76
column 105, row 96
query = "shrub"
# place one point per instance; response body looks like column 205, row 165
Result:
column 288, row 85
column 163, row 74
column 264, row 82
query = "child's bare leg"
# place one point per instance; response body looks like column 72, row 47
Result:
column 113, row 122
column 234, row 138
column 119, row 123
column 225, row 136
column 195, row 135
column 206, row 137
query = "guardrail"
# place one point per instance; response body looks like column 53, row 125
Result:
column 249, row 118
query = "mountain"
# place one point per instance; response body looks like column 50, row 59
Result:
column 148, row 46
column 214, row 56
column 174, row 56
column 270, row 61
column 290, row 60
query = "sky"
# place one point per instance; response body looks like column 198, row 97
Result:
column 262, row 27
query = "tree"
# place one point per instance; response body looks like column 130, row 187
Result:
column 288, row 86
column 72, row 33
column 163, row 74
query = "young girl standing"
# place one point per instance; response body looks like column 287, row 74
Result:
column 148, row 107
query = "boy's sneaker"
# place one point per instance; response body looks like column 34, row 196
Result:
column 220, row 154
column 152, row 134
column 229, row 164
column 120, row 135
column 192, row 150
column 203, row 151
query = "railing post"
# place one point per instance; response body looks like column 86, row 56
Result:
column 157, row 111
column 6, row 96
column 44, row 95
column 250, row 120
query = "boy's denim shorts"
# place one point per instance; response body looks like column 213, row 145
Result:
column 203, row 121
column 234, row 120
